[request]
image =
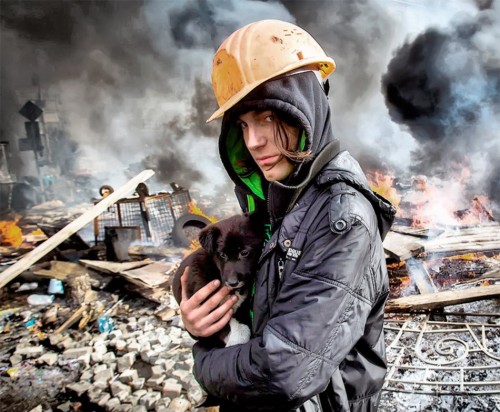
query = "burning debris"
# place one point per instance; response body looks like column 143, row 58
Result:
column 112, row 336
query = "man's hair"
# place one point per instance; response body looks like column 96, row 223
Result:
column 282, row 141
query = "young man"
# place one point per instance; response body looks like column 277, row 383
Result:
column 317, row 340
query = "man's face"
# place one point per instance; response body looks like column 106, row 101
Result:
column 258, row 132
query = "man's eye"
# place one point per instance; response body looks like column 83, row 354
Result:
column 222, row 255
column 270, row 118
column 244, row 253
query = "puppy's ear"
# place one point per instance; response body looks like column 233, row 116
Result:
column 208, row 238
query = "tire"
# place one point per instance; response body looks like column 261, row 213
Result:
column 186, row 229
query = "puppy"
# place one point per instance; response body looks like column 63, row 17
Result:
column 230, row 252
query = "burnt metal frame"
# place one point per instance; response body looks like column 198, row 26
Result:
column 177, row 204
column 470, row 337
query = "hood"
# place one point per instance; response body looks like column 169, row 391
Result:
column 298, row 98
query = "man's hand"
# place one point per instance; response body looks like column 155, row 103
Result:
column 203, row 317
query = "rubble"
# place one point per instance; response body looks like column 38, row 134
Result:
column 143, row 363
column 112, row 339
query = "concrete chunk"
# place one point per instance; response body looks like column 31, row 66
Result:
column 103, row 375
column 171, row 389
column 118, row 388
column 180, row 404
column 149, row 399
column 79, row 387
column 126, row 361
column 112, row 404
column 128, row 376
column 29, row 351
column 75, row 353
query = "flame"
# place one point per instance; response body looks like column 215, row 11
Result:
column 437, row 202
column 195, row 243
column 10, row 233
column 193, row 246
column 382, row 185
column 478, row 212
column 192, row 208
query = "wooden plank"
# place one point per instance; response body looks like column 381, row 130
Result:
column 417, row 231
column 114, row 267
column 465, row 240
column 402, row 247
column 420, row 276
column 442, row 299
column 72, row 319
column 73, row 227
column 60, row 270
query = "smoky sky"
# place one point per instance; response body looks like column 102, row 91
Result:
column 131, row 82
column 444, row 85
column 132, row 79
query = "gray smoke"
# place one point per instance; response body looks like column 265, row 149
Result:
column 133, row 81
column 444, row 85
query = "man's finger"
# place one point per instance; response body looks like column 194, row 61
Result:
column 201, row 296
column 217, row 326
column 214, row 316
column 184, row 279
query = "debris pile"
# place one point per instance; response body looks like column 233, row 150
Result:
column 133, row 356
column 90, row 324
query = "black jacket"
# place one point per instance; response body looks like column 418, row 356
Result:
column 322, row 283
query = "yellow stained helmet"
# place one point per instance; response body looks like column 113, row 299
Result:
column 258, row 52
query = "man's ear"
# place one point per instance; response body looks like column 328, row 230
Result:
column 208, row 238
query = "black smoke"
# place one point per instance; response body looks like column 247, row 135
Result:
column 444, row 86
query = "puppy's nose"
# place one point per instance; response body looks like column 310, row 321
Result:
column 232, row 283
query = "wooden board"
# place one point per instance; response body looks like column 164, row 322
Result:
column 416, row 231
column 420, row 276
column 60, row 270
column 442, row 299
column 401, row 247
column 114, row 267
column 468, row 240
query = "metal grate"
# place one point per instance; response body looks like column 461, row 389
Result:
column 446, row 358
column 162, row 217
column 154, row 215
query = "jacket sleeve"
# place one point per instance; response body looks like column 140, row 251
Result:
column 318, row 316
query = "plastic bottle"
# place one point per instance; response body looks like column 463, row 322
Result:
column 27, row 286
column 56, row 286
column 40, row 299
column 105, row 324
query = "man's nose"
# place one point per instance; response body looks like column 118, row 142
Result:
column 255, row 138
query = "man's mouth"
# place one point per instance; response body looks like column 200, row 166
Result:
column 267, row 161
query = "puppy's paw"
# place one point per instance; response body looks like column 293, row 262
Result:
column 239, row 333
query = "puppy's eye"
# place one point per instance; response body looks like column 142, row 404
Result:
column 244, row 253
column 222, row 255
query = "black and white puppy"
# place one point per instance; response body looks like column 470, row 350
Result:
column 230, row 252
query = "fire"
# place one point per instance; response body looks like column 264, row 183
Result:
column 383, row 185
column 10, row 233
column 193, row 246
column 195, row 243
column 478, row 212
column 192, row 208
